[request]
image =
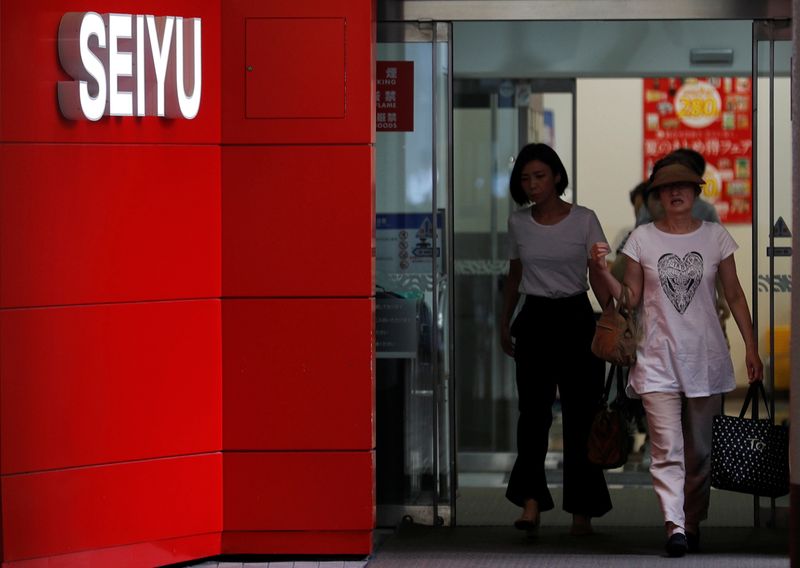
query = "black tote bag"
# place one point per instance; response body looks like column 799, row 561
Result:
column 750, row 455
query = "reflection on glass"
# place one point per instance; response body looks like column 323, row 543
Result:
column 412, row 294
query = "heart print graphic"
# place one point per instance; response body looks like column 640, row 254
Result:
column 680, row 277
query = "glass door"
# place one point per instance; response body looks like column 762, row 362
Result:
column 413, row 285
column 493, row 118
column 772, row 212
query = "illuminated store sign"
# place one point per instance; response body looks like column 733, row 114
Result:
column 129, row 65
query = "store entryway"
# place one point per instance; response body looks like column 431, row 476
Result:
column 603, row 93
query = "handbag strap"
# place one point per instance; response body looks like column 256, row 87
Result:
column 614, row 371
column 609, row 303
column 624, row 299
column 623, row 303
column 624, row 306
column 620, row 383
column 607, row 387
column 753, row 391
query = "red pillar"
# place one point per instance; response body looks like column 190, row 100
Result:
column 297, row 276
column 110, row 311
column 186, row 305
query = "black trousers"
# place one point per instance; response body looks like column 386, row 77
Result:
column 553, row 340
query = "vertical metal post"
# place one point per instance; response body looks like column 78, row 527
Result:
column 754, row 217
column 453, row 449
column 435, row 379
column 494, row 170
column 771, row 383
column 574, row 142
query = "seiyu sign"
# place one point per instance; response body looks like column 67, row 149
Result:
column 129, row 65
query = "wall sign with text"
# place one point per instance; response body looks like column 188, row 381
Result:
column 394, row 96
column 404, row 242
column 711, row 115
column 129, row 65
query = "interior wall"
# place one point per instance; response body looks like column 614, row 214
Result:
column 609, row 148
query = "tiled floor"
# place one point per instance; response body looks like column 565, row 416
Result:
column 285, row 564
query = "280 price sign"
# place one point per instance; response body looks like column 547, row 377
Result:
column 698, row 105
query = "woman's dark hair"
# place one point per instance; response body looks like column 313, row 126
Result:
column 545, row 154
column 691, row 159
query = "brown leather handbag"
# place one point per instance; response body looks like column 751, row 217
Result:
column 610, row 437
column 615, row 336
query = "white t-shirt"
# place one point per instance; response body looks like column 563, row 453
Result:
column 554, row 257
column 682, row 348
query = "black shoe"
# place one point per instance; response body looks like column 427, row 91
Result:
column 693, row 541
column 676, row 545
column 527, row 524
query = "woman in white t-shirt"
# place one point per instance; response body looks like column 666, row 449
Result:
column 551, row 338
column 682, row 362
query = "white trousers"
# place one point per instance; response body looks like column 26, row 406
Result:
column 680, row 453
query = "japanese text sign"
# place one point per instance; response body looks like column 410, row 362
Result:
column 394, row 96
column 710, row 115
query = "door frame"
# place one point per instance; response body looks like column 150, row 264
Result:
column 487, row 10
column 441, row 510
column 764, row 31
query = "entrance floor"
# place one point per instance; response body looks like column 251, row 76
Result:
column 612, row 547
column 635, row 505
column 629, row 536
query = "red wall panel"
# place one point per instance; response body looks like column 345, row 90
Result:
column 300, row 543
column 267, row 65
column 297, row 118
column 156, row 553
column 99, row 384
column 298, row 491
column 71, row 510
column 29, row 109
column 298, row 374
column 298, row 221
column 104, row 223
column 137, row 555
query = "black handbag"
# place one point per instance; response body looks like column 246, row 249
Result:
column 610, row 437
column 750, row 455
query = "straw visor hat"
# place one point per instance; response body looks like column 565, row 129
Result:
column 675, row 173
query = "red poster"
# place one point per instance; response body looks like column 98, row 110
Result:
column 394, row 96
column 711, row 115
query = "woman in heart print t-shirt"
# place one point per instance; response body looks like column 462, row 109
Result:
column 682, row 362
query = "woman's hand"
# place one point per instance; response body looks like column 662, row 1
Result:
column 506, row 341
column 600, row 278
column 755, row 369
column 597, row 256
